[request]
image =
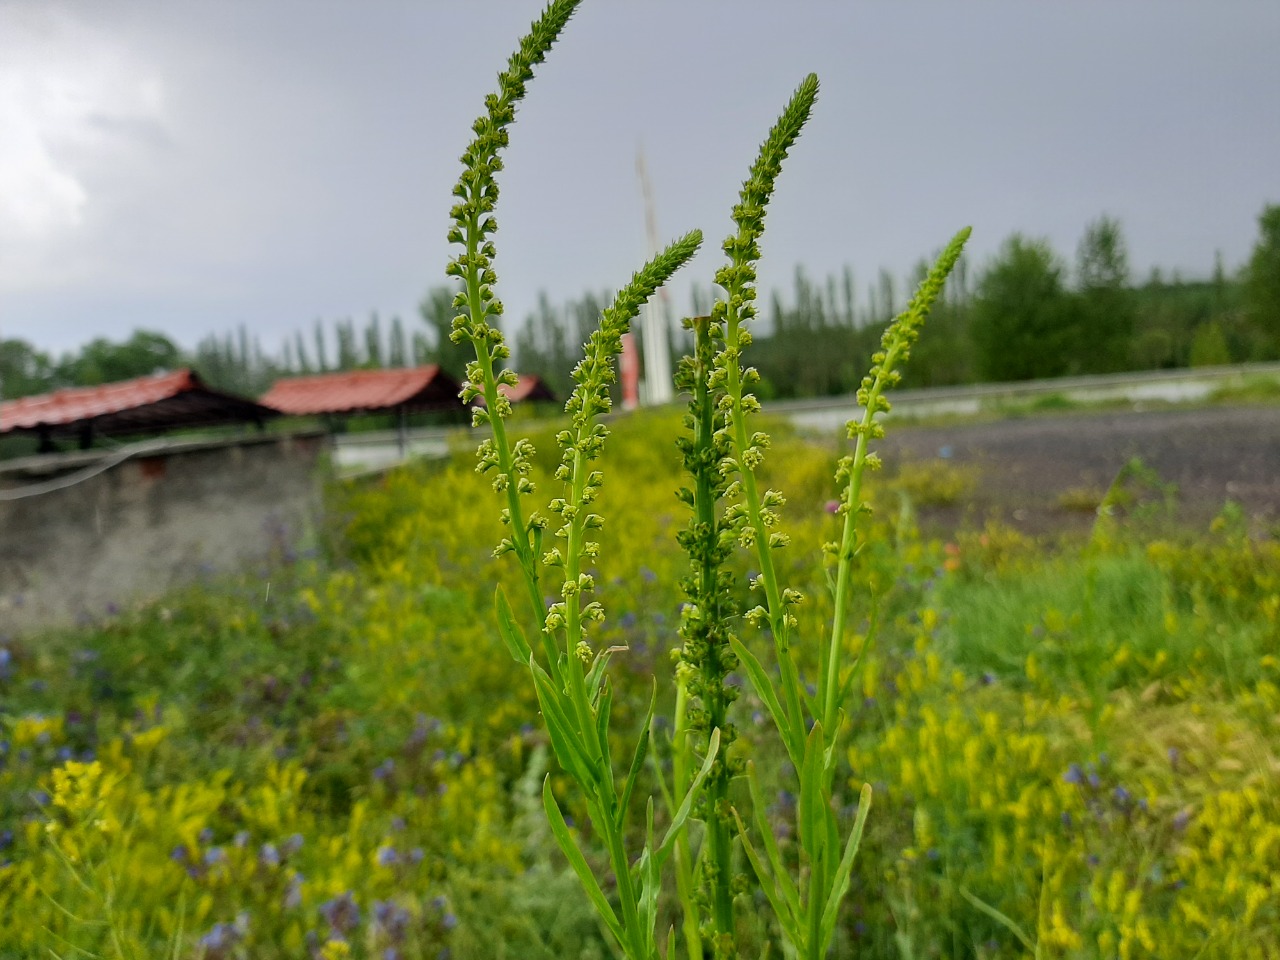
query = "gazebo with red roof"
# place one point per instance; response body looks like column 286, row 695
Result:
column 152, row 404
column 354, row 392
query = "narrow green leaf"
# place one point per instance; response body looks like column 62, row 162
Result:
column 1003, row 919
column 829, row 755
column 595, row 676
column 565, row 740
column 765, row 829
column 603, row 711
column 811, row 702
column 512, row 635
column 781, row 908
column 647, row 873
column 681, row 815
column 763, row 687
column 579, row 863
column 841, row 885
column 812, row 794
column 637, row 760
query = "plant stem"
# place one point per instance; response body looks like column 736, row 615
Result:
column 830, row 682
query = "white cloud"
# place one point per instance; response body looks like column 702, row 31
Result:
column 73, row 102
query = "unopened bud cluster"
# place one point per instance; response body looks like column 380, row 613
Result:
column 895, row 349
column 584, row 440
column 473, row 227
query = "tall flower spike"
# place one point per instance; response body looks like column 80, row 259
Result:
column 473, row 229
column 895, row 348
column 583, row 441
column 751, row 519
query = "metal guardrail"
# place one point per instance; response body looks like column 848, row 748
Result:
column 1174, row 386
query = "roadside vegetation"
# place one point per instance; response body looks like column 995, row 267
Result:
column 1072, row 744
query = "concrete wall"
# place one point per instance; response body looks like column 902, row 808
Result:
column 77, row 539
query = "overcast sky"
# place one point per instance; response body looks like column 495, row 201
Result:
column 189, row 166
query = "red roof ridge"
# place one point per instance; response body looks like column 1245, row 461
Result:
column 68, row 404
column 350, row 391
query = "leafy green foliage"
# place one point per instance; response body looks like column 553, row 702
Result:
column 1263, row 283
column 1021, row 321
column 103, row 362
column 24, row 370
column 1104, row 331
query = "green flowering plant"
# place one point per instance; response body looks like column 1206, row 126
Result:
column 722, row 456
column 569, row 676
column 723, row 446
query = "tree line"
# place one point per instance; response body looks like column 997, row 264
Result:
column 1027, row 314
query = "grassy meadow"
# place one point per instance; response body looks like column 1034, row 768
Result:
column 1073, row 744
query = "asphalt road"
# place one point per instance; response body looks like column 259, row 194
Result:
column 1032, row 471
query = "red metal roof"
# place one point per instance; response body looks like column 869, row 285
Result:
column 356, row 391
column 157, row 402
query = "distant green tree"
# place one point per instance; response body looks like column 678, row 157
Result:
column 396, row 356
column 1262, row 285
column 1209, row 346
column 348, row 348
column 550, row 341
column 237, row 364
column 1022, row 316
column 373, row 342
column 943, row 357
column 101, row 361
column 24, row 370
column 438, row 311
column 848, row 310
column 322, row 354
column 1103, row 333
column 421, row 349
column 300, row 354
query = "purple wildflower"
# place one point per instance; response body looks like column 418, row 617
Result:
column 392, row 919
column 341, row 913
